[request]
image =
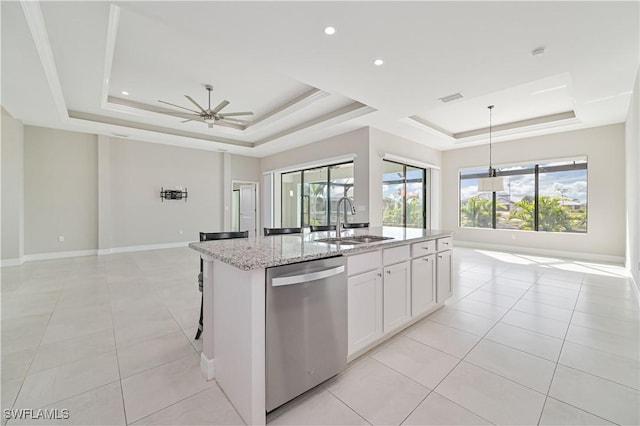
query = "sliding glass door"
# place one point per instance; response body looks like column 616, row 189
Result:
column 310, row 196
column 403, row 195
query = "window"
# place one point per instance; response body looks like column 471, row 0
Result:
column 549, row 197
column 403, row 195
column 309, row 197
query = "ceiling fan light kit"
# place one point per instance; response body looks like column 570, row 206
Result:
column 209, row 116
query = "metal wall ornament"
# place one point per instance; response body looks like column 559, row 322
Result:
column 173, row 194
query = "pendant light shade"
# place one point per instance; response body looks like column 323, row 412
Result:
column 491, row 183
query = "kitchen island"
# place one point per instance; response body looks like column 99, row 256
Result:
column 392, row 283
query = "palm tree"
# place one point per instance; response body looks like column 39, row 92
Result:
column 552, row 215
column 524, row 212
column 477, row 213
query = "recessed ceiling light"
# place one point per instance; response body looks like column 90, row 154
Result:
column 329, row 30
column 124, row 92
column 378, row 62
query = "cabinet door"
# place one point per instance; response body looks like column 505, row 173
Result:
column 423, row 280
column 444, row 270
column 365, row 309
column 397, row 295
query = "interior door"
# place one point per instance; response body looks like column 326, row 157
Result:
column 248, row 209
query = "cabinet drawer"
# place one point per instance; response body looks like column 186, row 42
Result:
column 444, row 243
column 395, row 254
column 422, row 248
column 363, row 262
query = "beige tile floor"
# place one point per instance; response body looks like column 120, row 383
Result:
column 524, row 340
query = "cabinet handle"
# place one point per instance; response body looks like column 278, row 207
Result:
column 446, row 243
column 426, row 259
column 379, row 274
column 388, row 271
column 426, row 248
column 439, row 257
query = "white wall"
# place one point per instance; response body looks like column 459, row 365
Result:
column 632, row 155
column 355, row 142
column 139, row 169
column 605, row 149
column 103, row 193
column 245, row 168
column 12, row 154
column 381, row 143
column 370, row 145
column 60, row 191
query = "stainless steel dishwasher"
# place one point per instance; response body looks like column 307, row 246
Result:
column 306, row 327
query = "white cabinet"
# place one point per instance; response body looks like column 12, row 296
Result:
column 445, row 243
column 365, row 309
column 397, row 295
column 423, row 288
column 444, row 272
column 392, row 287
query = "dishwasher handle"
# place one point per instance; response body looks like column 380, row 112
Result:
column 303, row 278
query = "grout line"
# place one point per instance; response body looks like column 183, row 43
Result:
column 521, row 350
column 560, row 353
column 473, row 347
column 115, row 345
column 422, row 385
column 416, row 407
column 347, row 405
column 578, row 408
column 600, row 377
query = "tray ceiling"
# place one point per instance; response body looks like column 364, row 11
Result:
column 67, row 64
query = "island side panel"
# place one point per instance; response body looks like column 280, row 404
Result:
column 239, row 338
column 207, row 356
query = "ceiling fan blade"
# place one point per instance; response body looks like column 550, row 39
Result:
column 195, row 103
column 185, row 115
column 220, row 106
column 229, row 124
column 235, row 120
column 233, row 114
column 178, row 106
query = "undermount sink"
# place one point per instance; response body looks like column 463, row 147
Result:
column 357, row 239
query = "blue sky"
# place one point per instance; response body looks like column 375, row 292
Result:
column 572, row 183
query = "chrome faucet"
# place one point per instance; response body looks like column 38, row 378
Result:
column 338, row 213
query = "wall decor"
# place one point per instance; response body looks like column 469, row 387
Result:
column 170, row 194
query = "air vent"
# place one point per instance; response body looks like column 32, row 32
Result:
column 451, row 97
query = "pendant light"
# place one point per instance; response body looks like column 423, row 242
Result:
column 491, row 183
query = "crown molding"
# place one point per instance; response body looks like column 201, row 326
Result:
column 38, row 29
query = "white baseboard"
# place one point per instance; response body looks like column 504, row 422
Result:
column 206, row 367
column 636, row 290
column 143, row 248
column 93, row 252
column 58, row 255
column 618, row 260
column 11, row 262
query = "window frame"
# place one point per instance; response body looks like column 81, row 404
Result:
column 328, row 184
column 536, row 168
column 404, row 186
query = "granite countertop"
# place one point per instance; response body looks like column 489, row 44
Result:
column 264, row 252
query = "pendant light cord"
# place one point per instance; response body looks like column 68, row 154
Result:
column 491, row 171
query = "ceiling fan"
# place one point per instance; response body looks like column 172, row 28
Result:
column 210, row 116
